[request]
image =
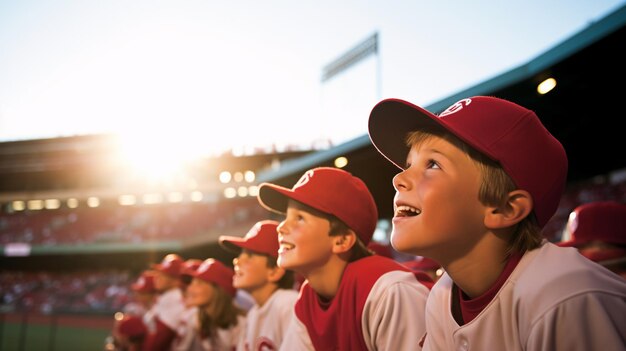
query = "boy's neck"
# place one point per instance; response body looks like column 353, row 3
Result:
column 263, row 293
column 477, row 271
column 325, row 281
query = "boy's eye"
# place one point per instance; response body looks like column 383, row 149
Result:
column 432, row 164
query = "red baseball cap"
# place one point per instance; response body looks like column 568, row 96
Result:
column 144, row 283
column 261, row 238
column 214, row 271
column 329, row 190
column 171, row 264
column 190, row 266
column 132, row 327
column 502, row 130
column 596, row 221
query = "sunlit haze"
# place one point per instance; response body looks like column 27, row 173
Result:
column 183, row 78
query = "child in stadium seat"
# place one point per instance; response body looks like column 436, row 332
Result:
column 126, row 332
column 166, row 317
column 144, row 294
column 129, row 334
column 352, row 299
column 598, row 230
column 219, row 323
column 271, row 287
column 476, row 185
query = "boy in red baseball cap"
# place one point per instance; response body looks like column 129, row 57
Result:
column 351, row 299
column 598, row 230
column 166, row 317
column 271, row 287
column 476, row 185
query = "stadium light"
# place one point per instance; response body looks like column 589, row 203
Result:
column 249, row 176
column 351, row 57
column 127, row 200
column 225, row 177
column 175, row 197
column 52, row 204
column 196, row 196
column 18, row 205
column 34, row 205
column 93, row 201
column 72, row 202
column 546, row 86
column 230, row 193
column 341, row 162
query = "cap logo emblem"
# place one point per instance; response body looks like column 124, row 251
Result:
column 304, row 179
column 456, row 107
column 205, row 267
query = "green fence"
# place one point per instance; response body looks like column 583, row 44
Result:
column 60, row 332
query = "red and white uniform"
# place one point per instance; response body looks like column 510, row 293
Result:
column 225, row 340
column 186, row 330
column 555, row 299
column 164, row 320
column 266, row 325
column 380, row 305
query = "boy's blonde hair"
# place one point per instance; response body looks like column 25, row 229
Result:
column 495, row 186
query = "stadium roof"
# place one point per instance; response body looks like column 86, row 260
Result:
column 584, row 111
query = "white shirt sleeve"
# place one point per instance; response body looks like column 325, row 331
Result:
column 593, row 315
column 393, row 315
column 171, row 308
column 296, row 337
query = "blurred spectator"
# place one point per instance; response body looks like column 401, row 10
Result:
column 219, row 322
column 598, row 230
column 144, row 295
column 129, row 334
column 129, row 329
column 166, row 317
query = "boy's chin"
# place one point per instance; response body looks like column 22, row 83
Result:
column 284, row 263
column 400, row 244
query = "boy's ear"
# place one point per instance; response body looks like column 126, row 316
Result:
column 518, row 206
column 344, row 242
column 275, row 274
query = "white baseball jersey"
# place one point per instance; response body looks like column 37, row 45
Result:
column 380, row 305
column 555, row 299
column 186, row 330
column 169, row 308
column 266, row 325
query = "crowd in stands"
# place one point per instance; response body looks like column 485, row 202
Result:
column 125, row 224
column 81, row 291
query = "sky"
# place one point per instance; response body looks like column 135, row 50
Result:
column 203, row 76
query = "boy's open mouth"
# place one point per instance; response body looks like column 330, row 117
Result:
column 406, row 211
column 284, row 247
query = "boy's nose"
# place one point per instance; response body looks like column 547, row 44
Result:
column 281, row 228
column 399, row 181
